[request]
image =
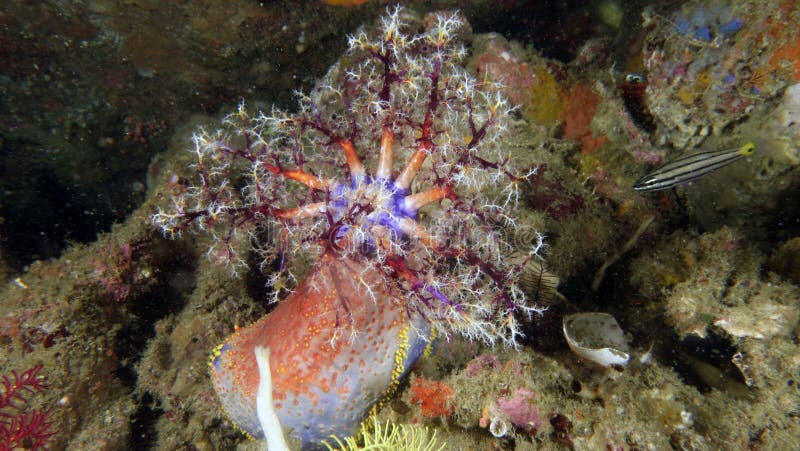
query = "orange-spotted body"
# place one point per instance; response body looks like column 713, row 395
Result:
column 337, row 344
column 344, row 180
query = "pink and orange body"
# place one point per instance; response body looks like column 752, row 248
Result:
column 324, row 378
column 325, row 180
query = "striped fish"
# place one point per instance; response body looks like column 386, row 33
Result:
column 691, row 167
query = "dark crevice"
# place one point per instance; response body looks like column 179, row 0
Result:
column 143, row 423
column 171, row 261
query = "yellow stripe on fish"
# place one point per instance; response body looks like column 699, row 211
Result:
column 690, row 167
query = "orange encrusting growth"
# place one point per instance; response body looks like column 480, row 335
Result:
column 577, row 115
column 783, row 29
column 435, row 398
column 788, row 54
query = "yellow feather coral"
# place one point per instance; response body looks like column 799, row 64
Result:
column 375, row 435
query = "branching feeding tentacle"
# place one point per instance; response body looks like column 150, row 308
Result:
column 322, row 181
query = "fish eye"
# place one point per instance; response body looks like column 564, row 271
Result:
column 634, row 78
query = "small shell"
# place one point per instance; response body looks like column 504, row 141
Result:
column 596, row 337
column 498, row 427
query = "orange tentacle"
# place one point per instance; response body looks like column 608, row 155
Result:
column 356, row 168
column 385, row 159
column 418, row 157
column 305, row 178
column 416, row 201
column 306, row 211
